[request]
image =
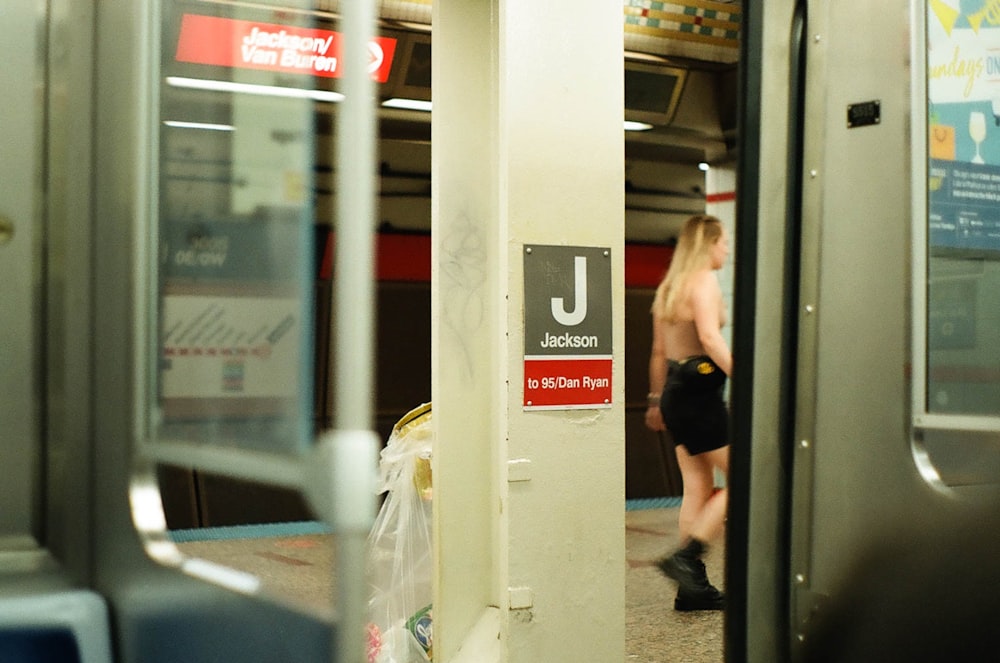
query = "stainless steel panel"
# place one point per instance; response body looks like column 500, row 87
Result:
column 21, row 276
column 854, row 291
column 69, row 460
column 854, row 472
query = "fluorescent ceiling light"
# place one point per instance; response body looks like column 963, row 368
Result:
column 637, row 126
column 407, row 104
column 176, row 124
column 703, row 166
column 248, row 88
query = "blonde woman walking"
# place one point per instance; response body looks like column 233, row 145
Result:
column 688, row 367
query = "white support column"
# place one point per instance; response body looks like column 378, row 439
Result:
column 720, row 202
column 529, row 505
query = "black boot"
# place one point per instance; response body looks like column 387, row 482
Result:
column 685, row 566
column 708, row 598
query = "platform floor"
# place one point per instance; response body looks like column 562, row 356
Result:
column 654, row 631
column 299, row 567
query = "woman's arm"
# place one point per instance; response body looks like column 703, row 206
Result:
column 657, row 378
column 706, row 300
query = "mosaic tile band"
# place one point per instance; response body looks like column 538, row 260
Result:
column 709, row 23
column 698, row 29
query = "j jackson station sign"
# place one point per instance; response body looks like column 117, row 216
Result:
column 238, row 44
column 567, row 327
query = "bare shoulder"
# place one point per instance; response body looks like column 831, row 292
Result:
column 704, row 281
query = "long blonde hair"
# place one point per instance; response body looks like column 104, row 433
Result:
column 693, row 252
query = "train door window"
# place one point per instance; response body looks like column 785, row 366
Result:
column 236, row 218
column 245, row 104
column 957, row 267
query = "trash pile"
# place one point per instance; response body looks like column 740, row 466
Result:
column 400, row 563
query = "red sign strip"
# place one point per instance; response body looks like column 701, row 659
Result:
column 721, row 197
column 567, row 382
column 226, row 42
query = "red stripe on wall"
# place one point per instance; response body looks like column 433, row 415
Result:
column 723, row 197
column 324, row 239
column 405, row 257
column 397, row 257
column 645, row 264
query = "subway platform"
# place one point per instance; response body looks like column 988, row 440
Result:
column 295, row 561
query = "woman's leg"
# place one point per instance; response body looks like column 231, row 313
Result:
column 710, row 519
column 698, row 488
column 685, row 566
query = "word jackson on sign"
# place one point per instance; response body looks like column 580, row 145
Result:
column 567, row 327
column 228, row 42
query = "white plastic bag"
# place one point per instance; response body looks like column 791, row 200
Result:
column 400, row 563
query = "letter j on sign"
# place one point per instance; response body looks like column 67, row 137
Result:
column 567, row 327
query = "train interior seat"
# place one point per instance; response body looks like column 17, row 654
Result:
column 54, row 627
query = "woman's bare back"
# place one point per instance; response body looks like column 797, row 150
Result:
column 681, row 339
column 680, row 336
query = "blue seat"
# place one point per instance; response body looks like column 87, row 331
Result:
column 56, row 627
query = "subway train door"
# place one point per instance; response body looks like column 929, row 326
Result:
column 156, row 255
column 865, row 335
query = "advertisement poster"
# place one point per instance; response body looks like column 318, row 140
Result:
column 963, row 72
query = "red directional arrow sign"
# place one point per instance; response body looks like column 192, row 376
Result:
column 226, row 42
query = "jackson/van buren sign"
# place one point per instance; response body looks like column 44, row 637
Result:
column 567, row 327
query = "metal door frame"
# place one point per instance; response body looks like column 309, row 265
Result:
column 765, row 331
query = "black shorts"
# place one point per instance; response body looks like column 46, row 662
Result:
column 692, row 404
